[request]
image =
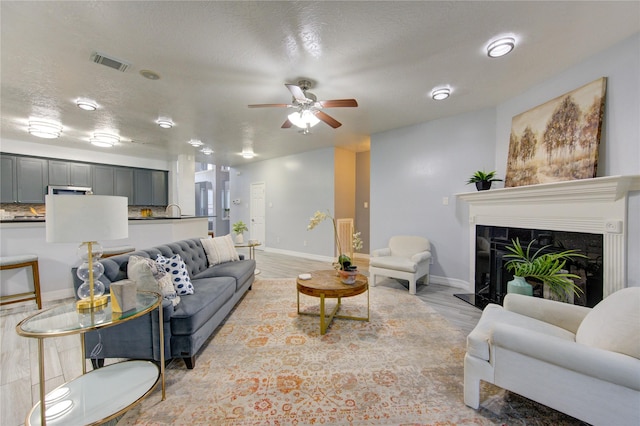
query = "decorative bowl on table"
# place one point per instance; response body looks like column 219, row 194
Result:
column 348, row 277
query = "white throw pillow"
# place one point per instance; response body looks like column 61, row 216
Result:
column 177, row 270
column 220, row 250
column 149, row 276
column 614, row 323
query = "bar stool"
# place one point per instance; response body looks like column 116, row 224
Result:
column 22, row 261
column 114, row 251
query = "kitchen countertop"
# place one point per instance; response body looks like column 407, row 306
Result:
column 42, row 219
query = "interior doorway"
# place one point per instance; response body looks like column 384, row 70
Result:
column 257, row 212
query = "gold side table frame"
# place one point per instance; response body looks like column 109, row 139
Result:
column 327, row 284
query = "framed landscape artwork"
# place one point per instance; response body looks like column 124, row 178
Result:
column 558, row 140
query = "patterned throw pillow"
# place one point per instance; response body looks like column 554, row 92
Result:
column 149, row 276
column 177, row 269
column 219, row 250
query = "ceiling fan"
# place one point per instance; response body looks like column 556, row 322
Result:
column 308, row 108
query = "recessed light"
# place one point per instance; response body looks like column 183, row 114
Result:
column 104, row 140
column 248, row 153
column 206, row 150
column 501, row 47
column 45, row 129
column 440, row 93
column 165, row 123
column 150, row 74
column 195, row 142
column 87, row 104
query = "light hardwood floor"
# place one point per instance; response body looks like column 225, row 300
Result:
column 19, row 358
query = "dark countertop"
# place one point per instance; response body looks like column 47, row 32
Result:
column 40, row 219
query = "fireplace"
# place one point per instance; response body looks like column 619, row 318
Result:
column 589, row 206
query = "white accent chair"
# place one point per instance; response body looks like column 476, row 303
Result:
column 406, row 258
column 580, row 361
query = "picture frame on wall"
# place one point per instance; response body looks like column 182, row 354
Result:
column 558, row 140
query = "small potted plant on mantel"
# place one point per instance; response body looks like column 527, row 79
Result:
column 238, row 228
column 483, row 179
column 546, row 267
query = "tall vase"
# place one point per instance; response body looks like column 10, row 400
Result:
column 519, row 285
column 239, row 239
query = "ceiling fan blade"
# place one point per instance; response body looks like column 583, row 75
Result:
column 337, row 103
column 287, row 124
column 270, row 105
column 327, row 119
column 297, row 92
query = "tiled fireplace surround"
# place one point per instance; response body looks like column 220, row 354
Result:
column 597, row 206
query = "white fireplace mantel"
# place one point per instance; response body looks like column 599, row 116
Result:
column 596, row 206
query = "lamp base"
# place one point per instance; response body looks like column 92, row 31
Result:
column 98, row 302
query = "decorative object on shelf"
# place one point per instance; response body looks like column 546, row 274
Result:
column 123, row 295
column 88, row 218
column 483, row 179
column 146, row 212
column 238, row 228
column 520, row 286
column 542, row 265
column 558, row 140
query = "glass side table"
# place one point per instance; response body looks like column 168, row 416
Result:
column 101, row 394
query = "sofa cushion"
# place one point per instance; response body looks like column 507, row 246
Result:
column 478, row 340
column 219, row 250
column 149, row 276
column 394, row 262
column 177, row 270
column 614, row 323
column 196, row 309
column 240, row 270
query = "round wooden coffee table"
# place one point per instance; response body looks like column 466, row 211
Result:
column 327, row 284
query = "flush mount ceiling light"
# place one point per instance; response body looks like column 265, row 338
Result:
column 104, row 140
column 151, row 75
column 303, row 119
column 440, row 93
column 206, row 150
column 248, row 153
column 165, row 123
column 86, row 104
column 195, row 143
column 45, row 129
column 501, row 47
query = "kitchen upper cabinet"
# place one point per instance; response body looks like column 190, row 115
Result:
column 124, row 183
column 159, row 188
column 150, row 187
column 9, row 190
column 103, row 180
column 68, row 173
column 32, row 176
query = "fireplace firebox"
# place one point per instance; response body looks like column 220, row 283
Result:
column 491, row 276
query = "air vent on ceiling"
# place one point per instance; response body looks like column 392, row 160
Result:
column 110, row 61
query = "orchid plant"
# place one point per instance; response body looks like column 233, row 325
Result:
column 357, row 241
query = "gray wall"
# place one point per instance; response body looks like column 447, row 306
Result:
column 363, row 179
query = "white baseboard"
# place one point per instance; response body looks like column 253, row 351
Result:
column 300, row 254
column 451, row 282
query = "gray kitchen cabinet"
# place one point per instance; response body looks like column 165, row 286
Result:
column 103, row 180
column 124, row 183
column 69, row 173
column 159, row 188
column 32, row 176
column 142, row 187
column 9, row 190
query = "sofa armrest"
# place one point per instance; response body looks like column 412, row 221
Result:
column 605, row 365
column 381, row 252
column 421, row 257
column 563, row 315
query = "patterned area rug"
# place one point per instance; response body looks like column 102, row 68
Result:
column 267, row 365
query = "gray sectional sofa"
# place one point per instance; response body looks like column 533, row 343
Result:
column 187, row 326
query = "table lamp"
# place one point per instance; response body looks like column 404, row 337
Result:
column 87, row 219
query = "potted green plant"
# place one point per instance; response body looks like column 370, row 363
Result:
column 238, row 228
column 483, row 179
column 547, row 268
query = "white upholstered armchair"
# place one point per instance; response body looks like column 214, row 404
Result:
column 406, row 258
column 580, row 361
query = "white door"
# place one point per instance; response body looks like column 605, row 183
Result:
column 257, row 212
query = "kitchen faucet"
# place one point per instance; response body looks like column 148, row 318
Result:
column 166, row 212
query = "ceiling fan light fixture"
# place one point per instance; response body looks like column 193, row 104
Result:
column 501, row 47
column 303, row 118
column 104, row 140
column 164, row 122
column 86, row 104
column 45, row 129
column 440, row 93
column 195, row 143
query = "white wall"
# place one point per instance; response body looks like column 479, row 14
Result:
column 296, row 186
column 414, row 168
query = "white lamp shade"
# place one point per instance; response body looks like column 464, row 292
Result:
column 81, row 218
column 301, row 119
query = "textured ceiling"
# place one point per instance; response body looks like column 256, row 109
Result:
column 215, row 58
